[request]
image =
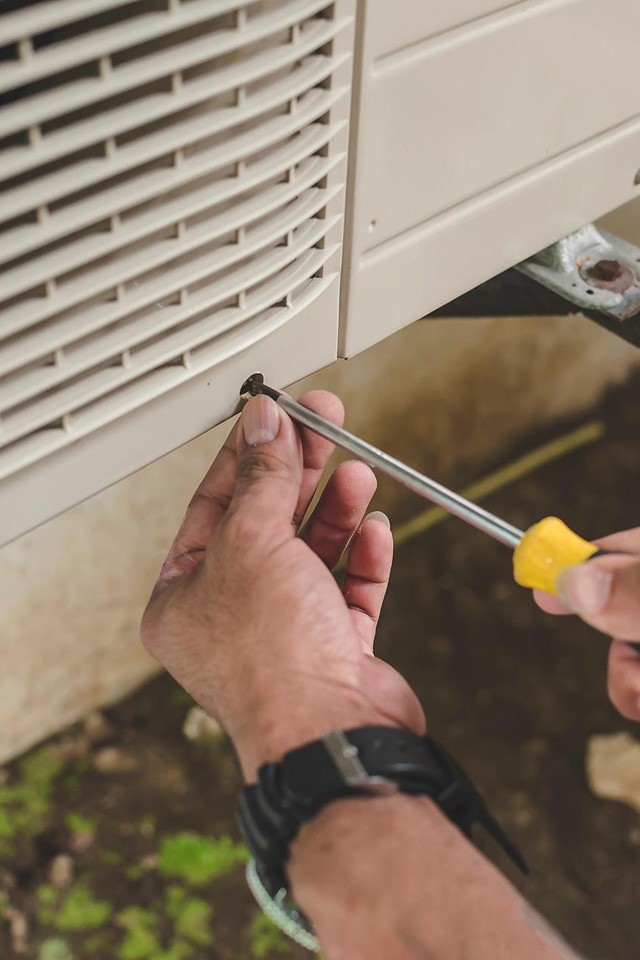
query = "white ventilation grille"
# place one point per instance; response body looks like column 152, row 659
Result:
column 163, row 170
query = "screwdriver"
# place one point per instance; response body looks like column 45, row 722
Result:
column 540, row 553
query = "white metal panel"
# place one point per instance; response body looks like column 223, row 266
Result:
column 481, row 145
column 409, row 22
column 143, row 251
column 485, row 104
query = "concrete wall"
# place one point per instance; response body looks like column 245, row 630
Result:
column 437, row 394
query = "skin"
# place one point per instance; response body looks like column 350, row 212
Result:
column 246, row 614
column 605, row 593
column 248, row 618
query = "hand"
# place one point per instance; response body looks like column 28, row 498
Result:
column 605, row 592
column 246, row 614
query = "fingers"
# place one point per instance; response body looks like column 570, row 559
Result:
column 367, row 575
column 340, row 510
column 624, row 679
column 213, row 496
column 278, row 466
column 274, row 452
column 627, row 541
column 550, row 604
column 316, row 451
column 268, row 470
column 207, row 507
column 605, row 592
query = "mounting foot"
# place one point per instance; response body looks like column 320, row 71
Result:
column 598, row 273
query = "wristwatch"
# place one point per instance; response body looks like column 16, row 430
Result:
column 367, row 761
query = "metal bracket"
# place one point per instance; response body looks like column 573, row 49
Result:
column 596, row 271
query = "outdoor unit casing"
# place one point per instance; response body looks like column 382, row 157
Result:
column 177, row 178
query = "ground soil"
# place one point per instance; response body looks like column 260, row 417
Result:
column 514, row 694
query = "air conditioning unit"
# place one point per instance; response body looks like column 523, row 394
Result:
column 191, row 190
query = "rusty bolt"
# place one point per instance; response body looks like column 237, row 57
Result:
column 613, row 275
column 606, row 270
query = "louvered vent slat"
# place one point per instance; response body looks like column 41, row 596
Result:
column 176, row 342
column 159, row 381
column 39, row 18
column 70, row 402
column 101, row 79
column 169, row 99
column 134, row 257
column 135, row 221
column 165, row 176
column 108, row 277
column 149, row 291
column 63, row 54
column 145, row 183
column 75, row 358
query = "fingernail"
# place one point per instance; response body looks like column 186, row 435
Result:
column 585, row 588
column 380, row 516
column 260, row 420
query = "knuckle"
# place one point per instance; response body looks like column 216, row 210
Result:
column 239, row 527
column 208, row 498
column 156, row 620
column 256, row 465
column 148, row 631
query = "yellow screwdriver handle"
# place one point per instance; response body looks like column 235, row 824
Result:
column 546, row 549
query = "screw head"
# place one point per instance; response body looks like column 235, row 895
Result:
column 606, row 270
column 251, row 386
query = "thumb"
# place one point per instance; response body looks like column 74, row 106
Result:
column 606, row 593
column 269, row 466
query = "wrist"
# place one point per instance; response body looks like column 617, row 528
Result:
column 348, row 865
column 280, row 728
column 393, row 877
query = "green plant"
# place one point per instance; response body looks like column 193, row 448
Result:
column 266, row 938
column 79, row 824
column 191, row 916
column 24, row 805
column 141, row 941
column 147, row 825
column 54, row 949
column 198, row 860
column 79, row 909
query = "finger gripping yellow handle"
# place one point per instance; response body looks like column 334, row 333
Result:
column 545, row 551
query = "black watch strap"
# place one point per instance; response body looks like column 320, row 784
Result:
column 359, row 762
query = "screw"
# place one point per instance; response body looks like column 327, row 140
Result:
column 251, row 386
column 605, row 270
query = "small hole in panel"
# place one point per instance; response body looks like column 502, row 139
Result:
column 372, row 225
column 590, row 292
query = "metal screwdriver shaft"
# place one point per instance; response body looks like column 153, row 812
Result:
column 470, row 512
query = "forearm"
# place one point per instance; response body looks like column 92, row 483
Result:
column 393, row 879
